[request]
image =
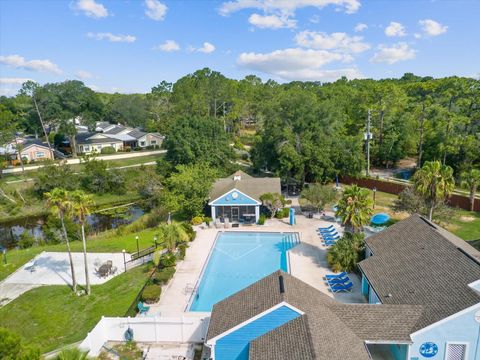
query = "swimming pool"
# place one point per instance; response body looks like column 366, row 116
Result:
column 239, row 259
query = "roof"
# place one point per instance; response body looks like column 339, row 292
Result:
column 415, row 262
column 249, row 185
column 327, row 329
column 103, row 124
column 37, row 142
column 137, row 134
column 84, row 138
column 116, row 129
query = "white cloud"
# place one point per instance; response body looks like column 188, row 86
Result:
column 168, row 46
column 155, row 10
column 82, row 74
column 18, row 61
column 336, row 41
column 286, row 6
column 432, row 28
column 207, row 48
column 390, row 55
column 395, row 29
column 91, row 8
column 297, row 64
column 13, row 81
column 111, row 37
column 271, row 21
column 360, row 27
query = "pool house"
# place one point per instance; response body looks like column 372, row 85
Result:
column 417, row 263
column 236, row 198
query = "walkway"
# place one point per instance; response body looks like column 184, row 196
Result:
column 307, row 262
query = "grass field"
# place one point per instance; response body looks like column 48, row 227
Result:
column 52, row 316
column 106, row 242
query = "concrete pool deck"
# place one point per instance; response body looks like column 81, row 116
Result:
column 307, row 262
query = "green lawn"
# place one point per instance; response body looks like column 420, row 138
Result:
column 106, row 242
column 52, row 316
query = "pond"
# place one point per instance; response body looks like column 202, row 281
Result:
column 10, row 231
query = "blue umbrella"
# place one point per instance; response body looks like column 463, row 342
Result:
column 380, row 219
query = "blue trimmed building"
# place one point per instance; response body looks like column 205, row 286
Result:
column 237, row 197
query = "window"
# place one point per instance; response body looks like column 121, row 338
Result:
column 456, row 351
column 153, row 142
column 142, row 143
column 86, row 148
column 40, row 154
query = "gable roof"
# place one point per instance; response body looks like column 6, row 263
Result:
column 327, row 330
column 86, row 138
column 117, row 129
column 249, row 185
column 36, row 142
column 415, row 262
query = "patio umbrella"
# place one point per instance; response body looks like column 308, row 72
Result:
column 380, row 219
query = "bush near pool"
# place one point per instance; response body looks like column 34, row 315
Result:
column 151, row 294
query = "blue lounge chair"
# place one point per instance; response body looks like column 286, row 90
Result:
column 326, row 238
column 142, row 308
column 328, row 243
column 335, row 276
column 341, row 287
column 327, row 228
column 341, row 281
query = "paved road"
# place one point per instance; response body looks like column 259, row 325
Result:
column 102, row 157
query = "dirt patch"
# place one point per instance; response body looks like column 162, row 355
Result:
column 465, row 218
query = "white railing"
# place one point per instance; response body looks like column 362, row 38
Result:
column 182, row 329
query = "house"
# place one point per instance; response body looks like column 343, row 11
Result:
column 280, row 317
column 31, row 150
column 237, row 197
column 417, row 263
column 89, row 142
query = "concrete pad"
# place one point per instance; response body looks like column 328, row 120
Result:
column 53, row 268
column 9, row 292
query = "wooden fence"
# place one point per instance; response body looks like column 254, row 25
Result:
column 391, row 187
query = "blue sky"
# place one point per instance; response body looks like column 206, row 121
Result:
column 132, row 45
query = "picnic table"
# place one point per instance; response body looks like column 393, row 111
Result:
column 106, row 269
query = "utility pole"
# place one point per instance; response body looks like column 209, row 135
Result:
column 367, row 137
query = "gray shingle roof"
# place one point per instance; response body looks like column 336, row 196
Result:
column 137, row 134
column 116, row 129
column 251, row 186
column 415, row 262
column 329, row 330
column 83, row 138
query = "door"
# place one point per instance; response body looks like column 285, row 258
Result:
column 235, row 214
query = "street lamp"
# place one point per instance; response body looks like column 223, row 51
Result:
column 5, row 255
column 124, row 261
column 138, row 249
column 374, row 195
column 155, row 241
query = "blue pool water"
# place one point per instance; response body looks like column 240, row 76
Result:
column 239, row 259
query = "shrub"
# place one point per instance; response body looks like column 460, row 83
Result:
column 162, row 277
column 167, row 260
column 26, row 240
column 182, row 250
column 346, row 253
column 282, row 213
column 189, row 230
column 197, row 220
column 207, row 220
column 261, row 219
column 12, row 347
column 108, row 150
column 151, row 294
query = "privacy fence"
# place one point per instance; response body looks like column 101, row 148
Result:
column 394, row 187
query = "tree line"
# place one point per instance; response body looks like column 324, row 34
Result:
column 304, row 131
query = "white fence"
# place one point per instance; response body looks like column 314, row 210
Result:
column 146, row 329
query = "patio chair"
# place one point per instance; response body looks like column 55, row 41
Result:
column 341, row 287
column 31, row 266
column 334, row 237
column 327, row 228
column 341, row 281
column 142, row 308
column 335, row 276
column 328, row 243
column 113, row 270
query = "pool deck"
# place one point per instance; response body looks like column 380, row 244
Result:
column 307, row 262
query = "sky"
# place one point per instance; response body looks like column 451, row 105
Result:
column 132, row 45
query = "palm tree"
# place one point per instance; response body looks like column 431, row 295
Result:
column 355, row 208
column 81, row 203
column 434, row 182
column 171, row 234
column 471, row 181
column 59, row 201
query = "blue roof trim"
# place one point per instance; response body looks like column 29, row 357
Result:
column 230, row 199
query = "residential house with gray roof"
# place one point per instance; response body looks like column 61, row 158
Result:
column 237, row 197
